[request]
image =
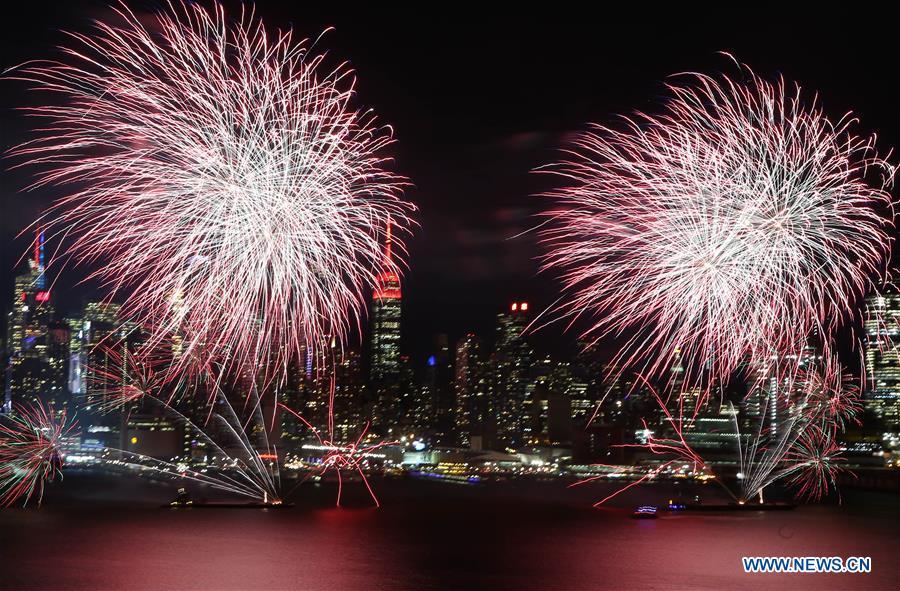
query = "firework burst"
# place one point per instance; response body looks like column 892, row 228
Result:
column 223, row 179
column 785, row 430
column 831, row 395
column 813, row 463
column 31, row 452
column 340, row 457
column 127, row 377
column 739, row 220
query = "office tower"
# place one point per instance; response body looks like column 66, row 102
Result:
column 35, row 345
column 385, row 343
column 350, row 414
column 103, row 330
column 297, row 390
column 407, row 416
column 882, row 329
column 436, row 400
column 474, row 413
column 713, row 428
column 57, row 392
column 548, row 409
column 442, row 374
column 586, row 389
column 77, row 356
column 511, row 362
column 534, row 408
column 421, row 416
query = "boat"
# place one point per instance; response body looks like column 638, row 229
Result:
column 644, row 512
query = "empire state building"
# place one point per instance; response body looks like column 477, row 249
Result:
column 385, row 343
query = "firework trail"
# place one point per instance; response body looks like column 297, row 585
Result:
column 739, row 220
column 221, row 177
column 31, row 452
column 791, row 435
column 128, row 377
column 831, row 395
column 243, row 467
column 650, row 475
column 802, row 410
column 674, row 446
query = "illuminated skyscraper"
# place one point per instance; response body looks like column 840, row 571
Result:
column 547, row 418
column 511, row 363
column 434, row 405
column 474, row 412
column 882, row 396
column 385, row 342
column 77, row 351
column 36, row 359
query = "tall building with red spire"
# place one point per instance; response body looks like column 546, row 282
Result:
column 37, row 350
column 385, row 339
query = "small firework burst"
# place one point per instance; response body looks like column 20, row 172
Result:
column 31, row 452
column 351, row 456
column 813, row 463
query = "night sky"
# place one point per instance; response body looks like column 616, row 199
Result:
column 478, row 100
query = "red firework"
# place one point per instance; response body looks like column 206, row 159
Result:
column 31, row 452
column 340, row 457
column 221, row 174
column 125, row 377
column 814, row 463
column 741, row 220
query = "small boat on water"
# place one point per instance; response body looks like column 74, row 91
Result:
column 644, row 512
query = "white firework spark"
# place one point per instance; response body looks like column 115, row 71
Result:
column 221, row 179
column 739, row 221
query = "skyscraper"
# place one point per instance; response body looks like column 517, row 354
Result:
column 547, row 419
column 36, row 357
column 882, row 396
column 474, row 413
column 511, row 363
column 349, row 391
column 435, row 402
column 385, row 342
column 77, row 351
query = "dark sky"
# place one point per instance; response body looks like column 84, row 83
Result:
column 477, row 101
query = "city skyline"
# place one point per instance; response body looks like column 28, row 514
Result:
column 493, row 393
